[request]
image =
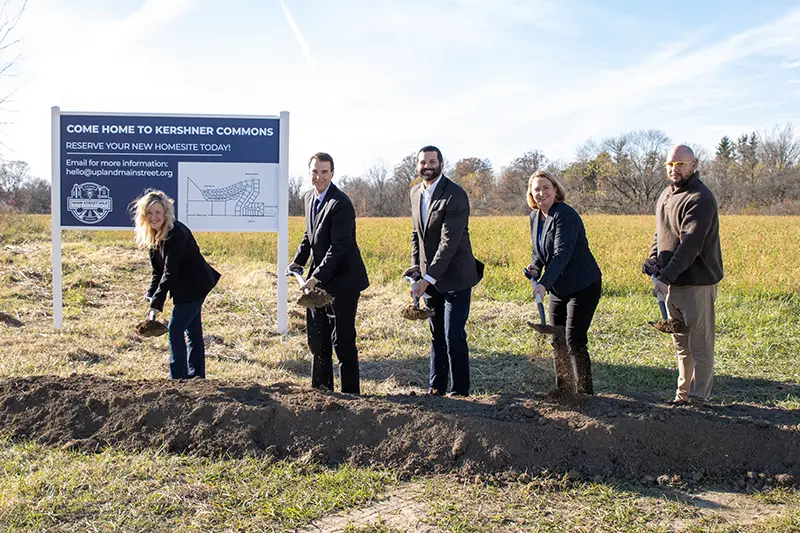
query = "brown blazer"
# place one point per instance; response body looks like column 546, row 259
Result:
column 440, row 244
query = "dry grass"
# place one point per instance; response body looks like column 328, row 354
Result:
column 104, row 281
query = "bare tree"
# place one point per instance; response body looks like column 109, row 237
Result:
column 512, row 185
column 476, row 176
column 9, row 18
column 296, row 207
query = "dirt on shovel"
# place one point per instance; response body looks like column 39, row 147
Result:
column 151, row 328
column 416, row 313
column 315, row 298
column 671, row 325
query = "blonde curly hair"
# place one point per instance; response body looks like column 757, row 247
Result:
column 146, row 237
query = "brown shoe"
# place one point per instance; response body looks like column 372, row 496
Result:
column 679, row 401
column 434, row 392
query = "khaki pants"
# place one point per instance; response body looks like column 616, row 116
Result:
column 694, row 306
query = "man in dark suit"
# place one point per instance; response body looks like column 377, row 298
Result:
column 336, row 266
column 442, row 259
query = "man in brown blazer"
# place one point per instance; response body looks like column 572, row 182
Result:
column 441, row 256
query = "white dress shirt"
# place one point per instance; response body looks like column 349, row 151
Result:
column 427, row 198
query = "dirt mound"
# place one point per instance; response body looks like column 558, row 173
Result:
column 607, row 436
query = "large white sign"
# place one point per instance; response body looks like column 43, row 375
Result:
column 225, row 173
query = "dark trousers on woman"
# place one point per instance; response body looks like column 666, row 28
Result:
column 574, row 312
column 330, row 328
column 186, row 319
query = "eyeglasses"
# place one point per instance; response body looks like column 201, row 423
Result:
column 677, row 164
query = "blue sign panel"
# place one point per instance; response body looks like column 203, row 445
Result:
column 225, row 167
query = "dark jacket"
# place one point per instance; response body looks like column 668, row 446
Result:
column 330, row 243
column 569, row 265
column 686, row 241
column 440, row 244
column 180, row 269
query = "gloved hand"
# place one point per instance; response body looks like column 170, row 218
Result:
column 293, row 268
column 310, row 284
column 413, row 272
column 650, row 266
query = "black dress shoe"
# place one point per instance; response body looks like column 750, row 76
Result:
column 457, row 394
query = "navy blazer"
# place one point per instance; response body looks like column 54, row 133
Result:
column 569, row 265
column 180, row 269
column 330, row 242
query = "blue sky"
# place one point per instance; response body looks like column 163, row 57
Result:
column 372, row 81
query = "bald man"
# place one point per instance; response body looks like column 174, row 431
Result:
column 687, row 260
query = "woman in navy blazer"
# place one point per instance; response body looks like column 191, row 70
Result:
column 571, row 276
column 180, row 269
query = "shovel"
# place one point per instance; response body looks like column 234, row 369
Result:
column 414, row 311
column 542, row 326
column 666, row 324
column 562, row 363
column 313, row 298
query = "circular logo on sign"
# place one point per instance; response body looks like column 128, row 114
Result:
column 89, row 202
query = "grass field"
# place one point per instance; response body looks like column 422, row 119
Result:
column 45, row 489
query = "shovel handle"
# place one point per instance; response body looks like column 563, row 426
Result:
column 413, row 283
column 299, row 278
column 537, row 297
column 662, row 305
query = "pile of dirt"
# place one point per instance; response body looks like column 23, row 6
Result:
column 623, row 437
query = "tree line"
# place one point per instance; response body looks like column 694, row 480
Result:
column 758, row 172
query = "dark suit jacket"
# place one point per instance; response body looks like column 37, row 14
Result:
column 440, row 244
column 180, row 269
column 569, row 265
column 330, row 243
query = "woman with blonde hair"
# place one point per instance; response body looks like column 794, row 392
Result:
column 571, row 276
column 180, row 269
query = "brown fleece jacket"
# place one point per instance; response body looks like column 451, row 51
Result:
column 686, row 242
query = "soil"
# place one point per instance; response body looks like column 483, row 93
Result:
column 671, row 325
column 610, row 436
column 416, row 313
column 151, row 328
column 9, row 320
column 315, row 298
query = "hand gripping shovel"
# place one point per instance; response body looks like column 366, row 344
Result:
column 542, row 326
column 414, row 311
column 666, row 324
column 313, row 298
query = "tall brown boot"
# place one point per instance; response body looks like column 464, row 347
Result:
column 583, row 372
column 565, row 380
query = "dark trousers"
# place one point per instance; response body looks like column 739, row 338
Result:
column 449, row 350
column 330, row 328
column 185, row 319
column 574, row 312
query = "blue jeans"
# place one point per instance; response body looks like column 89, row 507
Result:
column 449, row 350
column 186, row 319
